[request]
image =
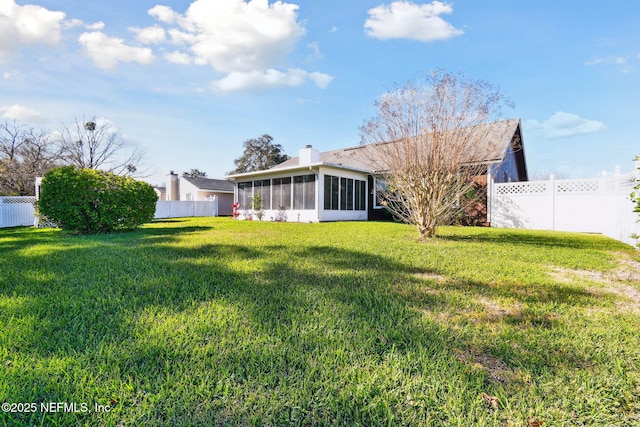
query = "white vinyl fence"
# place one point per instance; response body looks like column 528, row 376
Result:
column 16, row 211
column 19, row 211
column 600, row 205
column 179, row 209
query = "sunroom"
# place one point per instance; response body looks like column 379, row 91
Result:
column 309, row 191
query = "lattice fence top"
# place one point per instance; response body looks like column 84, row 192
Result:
column 575, row 186
column 521, row 188
column 8, row 200
column 624, row 182
column 612, row 184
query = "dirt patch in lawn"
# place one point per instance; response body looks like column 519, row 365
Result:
column 497, row 370
column 622, row 281
column 493, row 309
column 429, row 276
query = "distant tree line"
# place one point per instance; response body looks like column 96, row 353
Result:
column 27, row 152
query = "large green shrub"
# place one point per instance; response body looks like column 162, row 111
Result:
column 92, row 201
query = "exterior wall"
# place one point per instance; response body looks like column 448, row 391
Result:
column 225, row 200
column 507, row 171
column 343, row 216
column 309, row 215
column 340, row 215
column 188, row 191
column 288, row 215
column 513, row 166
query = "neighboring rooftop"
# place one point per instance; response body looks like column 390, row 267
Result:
column 210, row 183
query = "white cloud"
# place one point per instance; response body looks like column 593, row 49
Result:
column 72, row 23
column 164, row 14
column 180, row 37
column 563, row 125
column 406, row 20
column 22, row 113
column 27, row 25
column 269, row 79
column 178, row 57
column 234, row 35
column 620, row 62
column 316, row 53
column 321, row 80
column 107, row 51
column 95, row 26
column 149, row 35
column 245, row 41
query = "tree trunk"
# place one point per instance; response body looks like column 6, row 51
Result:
column 427, row 232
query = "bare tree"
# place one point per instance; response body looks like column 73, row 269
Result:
column 25, row 153
column 429, row 141
column 96, row 144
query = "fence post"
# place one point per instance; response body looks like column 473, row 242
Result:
column 552, row 186
column 616, row 178
column 490, row 198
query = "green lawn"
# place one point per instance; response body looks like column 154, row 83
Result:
column 221, row 322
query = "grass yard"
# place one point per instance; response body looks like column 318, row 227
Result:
column 220, row 322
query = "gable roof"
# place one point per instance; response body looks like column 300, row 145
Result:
column 497, row 135
column 210, row 184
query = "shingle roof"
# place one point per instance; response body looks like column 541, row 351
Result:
column 210, row 184
column 497, row 135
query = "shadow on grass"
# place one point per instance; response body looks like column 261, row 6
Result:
column 536, row 239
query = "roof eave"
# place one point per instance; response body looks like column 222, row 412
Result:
column 277, row 170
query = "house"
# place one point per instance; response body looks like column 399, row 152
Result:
column 198, row 189
column 161, row 192
column 340, row 185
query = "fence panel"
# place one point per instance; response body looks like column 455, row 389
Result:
column 16, row 211
column 19, row 211
column 180, row 209
column 598, row 205
column 522, row 205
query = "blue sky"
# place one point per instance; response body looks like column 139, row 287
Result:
column 191, row 80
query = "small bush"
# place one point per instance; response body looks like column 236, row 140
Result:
column 91, row 201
